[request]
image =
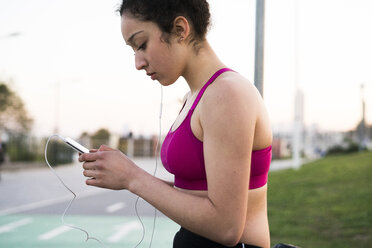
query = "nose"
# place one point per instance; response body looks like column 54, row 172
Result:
column 140, row 61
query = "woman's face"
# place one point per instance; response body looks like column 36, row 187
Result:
column 160, row 60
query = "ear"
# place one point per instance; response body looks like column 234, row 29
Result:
column 181, row 28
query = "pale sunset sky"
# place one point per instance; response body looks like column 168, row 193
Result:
column 71, row 67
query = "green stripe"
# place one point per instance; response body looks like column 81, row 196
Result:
column 101, row 227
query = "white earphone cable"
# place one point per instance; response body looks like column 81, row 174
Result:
column 88, row 237
column 72, row 192
column 157, row 152
column 154, row 173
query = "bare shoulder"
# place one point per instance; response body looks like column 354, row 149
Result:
column 233, row 103
column 232, row 88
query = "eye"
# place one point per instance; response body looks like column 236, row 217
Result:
column 143, row 46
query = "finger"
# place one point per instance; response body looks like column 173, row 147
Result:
column 89, row 166
column 93, row 182
column 93, row 150
column 90, row 173
column 88, row 157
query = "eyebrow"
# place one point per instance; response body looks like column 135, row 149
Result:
column 130, row 40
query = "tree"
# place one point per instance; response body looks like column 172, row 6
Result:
column 13, row 115
column 15, row 121
column 102, row 136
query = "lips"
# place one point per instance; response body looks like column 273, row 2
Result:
column 151, row 74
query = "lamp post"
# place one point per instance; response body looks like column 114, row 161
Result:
column 362, row 126
column 10, row 35
column 259, row 46
column 299, row 96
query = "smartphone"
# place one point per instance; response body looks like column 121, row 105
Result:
column 76, row 146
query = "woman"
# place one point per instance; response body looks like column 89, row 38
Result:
column 219, row 147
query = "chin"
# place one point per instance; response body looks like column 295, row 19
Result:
column 166, row 82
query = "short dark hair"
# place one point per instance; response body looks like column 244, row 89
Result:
column 163, row 13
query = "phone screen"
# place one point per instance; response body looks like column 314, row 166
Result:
column 79, row 148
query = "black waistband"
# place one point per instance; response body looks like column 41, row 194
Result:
column 185, row 238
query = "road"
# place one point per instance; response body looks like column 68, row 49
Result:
column 33, row 201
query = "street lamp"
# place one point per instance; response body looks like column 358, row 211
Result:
column 299, row 97
column 362, row 125
column 259, row 46
column 10, row 35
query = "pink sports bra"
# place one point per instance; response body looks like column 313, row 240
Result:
column 182, row 154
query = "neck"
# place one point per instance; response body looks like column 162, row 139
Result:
column 200, row 67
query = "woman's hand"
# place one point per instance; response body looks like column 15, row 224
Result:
column 108, row 168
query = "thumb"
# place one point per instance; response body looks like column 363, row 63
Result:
column 105, row 148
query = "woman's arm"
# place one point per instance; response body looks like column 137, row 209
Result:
column 228, row 121
column 170, row 183
column 108, row 168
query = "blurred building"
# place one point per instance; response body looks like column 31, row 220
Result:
column 281, row 147
column 315, row 142
column 362, row 134
column 138, row 146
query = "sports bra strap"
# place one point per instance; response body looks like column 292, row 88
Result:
column 201, row 92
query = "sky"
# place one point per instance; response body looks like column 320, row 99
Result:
column 71, row 67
